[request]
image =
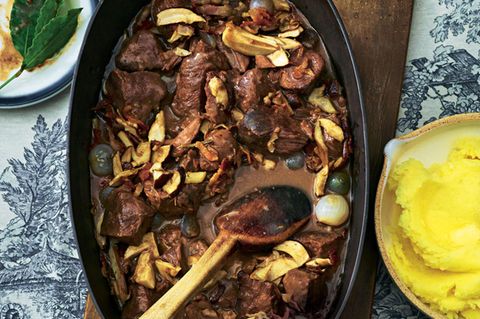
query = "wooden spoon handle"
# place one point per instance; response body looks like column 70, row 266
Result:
column 194, row 279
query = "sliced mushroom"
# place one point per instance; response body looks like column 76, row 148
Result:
column 144, row 273
column 291, row 33
column 127, row 155
column 295, row 250
column 219, row 91
column 173, row 183
column 249, row 44
column 148, row 243
column 318, row 99
column 269, row 164
column 178, row 15
column 124, row 174
column 195, row 177
column 332, row 129
column 117, row 164
column 181, row 52
column 157, row 130
column 271, row 141
column 142, row 154
column 281, row 5
column 160, row 154
column 181, row 31
column 125, row 139
column 166, row 268
column 278, row 58
column 320, row 181
column 209, row 153
column 120, row 284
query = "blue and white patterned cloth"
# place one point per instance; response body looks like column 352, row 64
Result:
column 442, row 78
column 40, row 274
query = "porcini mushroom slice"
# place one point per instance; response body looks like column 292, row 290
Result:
column 332, row 129
column 320, row 181
column 144, row 273
column 295, row 250
column 278, row 58
column 249, row 44
column 173, row 183
column 160, row 154
column 178, row 15
column 157, row 130
column 195, row 177
column 166, row 268
column 148, row 243
column 318, row 98
column 142, row 154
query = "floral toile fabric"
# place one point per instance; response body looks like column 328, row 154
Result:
column 442, row 78
column 40, row 273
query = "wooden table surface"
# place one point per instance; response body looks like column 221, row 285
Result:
column 379, row 34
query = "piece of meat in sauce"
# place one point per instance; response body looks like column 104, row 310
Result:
column 160, row 5
column 250, row 89
column 170, row 244
column 259, row 124
column 141, row 299
column 143, row 51
column 298, row 285
column 135, row 94
column 127, row 217
column 219, row 145
column 322, row 243
column 306, row 68
column 237, row 60
column 200, row 308
column 256, row 296
column 190, row 95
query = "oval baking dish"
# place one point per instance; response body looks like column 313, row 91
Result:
column 111, row 19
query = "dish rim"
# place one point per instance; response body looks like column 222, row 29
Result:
column 379, row 231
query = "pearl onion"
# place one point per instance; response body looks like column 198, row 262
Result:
column 332, row 210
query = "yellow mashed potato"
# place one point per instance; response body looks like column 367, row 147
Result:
column 436, row 246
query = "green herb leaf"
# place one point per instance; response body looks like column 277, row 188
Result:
column 47, row 13
column 62, row 8
column 53, row 37
column 23, row 22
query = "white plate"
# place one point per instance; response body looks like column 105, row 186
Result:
column 33, row 87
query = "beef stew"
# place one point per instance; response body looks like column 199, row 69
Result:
column 193, row 122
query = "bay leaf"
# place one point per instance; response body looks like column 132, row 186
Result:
column 47, row 13
column 23, row 21
column 53, row 37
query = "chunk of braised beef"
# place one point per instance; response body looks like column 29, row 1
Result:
column 306, row 68
column 321, row 243
column 221, row 11
column 221, row 143
column 250, row 89
column 215, row 111
column 200, row 308
column 256, row 296
column 190, row 161
column 196, row 248
column 135, row 94
column 160, row 5
column 127, row 217
column 141, row 299
column 143, row 51
column 236, row 60
column 229, row 297
column 170, row 244
column 190, row 95
column 298, row 285
column 258, row 126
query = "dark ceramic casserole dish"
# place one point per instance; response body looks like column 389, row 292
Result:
column 110, row 21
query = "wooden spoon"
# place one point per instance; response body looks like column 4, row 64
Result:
column 265, row 217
